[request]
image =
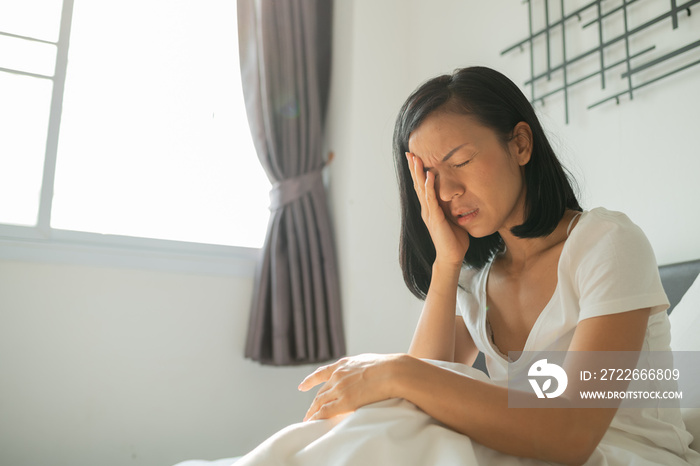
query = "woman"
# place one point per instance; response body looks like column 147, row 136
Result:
column 491, row 227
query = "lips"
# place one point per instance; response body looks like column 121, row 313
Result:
column 464, row 216
column 463, row 213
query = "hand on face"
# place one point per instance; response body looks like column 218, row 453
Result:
column 450, row 240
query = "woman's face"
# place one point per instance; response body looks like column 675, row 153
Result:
column 479, row 183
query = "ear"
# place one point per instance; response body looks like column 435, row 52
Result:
column 521, row 143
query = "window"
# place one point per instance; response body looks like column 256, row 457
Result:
column 126, row 119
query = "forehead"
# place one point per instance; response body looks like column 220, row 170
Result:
column 441, row 132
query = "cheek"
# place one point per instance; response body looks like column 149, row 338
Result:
column 516, row 180
column 445, row 206
column 508, row 179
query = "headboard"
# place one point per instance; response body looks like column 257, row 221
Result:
column 677, row 278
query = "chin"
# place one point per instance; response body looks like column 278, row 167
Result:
column 479, row 235
column 480, row 232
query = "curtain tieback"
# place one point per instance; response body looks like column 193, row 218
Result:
column 291, row 189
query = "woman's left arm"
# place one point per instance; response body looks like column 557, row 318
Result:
column 478, row 409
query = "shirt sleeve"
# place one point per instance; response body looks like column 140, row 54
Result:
column 617, row 270
column 468, row 298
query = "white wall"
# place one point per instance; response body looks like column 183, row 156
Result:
column 371, row 64
column 107, row 366
column 117, row 366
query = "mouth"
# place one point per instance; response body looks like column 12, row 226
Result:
column 465, row 217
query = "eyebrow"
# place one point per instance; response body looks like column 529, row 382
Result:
column 449, row 154
column 452, row 152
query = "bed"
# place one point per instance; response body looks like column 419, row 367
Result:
column 682, row 284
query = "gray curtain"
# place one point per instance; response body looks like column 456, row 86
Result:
column 285, row 52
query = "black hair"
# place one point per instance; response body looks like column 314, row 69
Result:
column 497, row 103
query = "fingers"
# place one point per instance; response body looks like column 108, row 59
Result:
column 333, row 399
column 327, row 411
column 413, row 169
column 449, row 238
column 431, row 200
column 322, row 399
column 430, row 197
column 320, row 375
column 327, row 402
column 424, row 185
column 325, row 395
column 418, row 175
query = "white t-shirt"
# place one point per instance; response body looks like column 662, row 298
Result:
column 606, row 266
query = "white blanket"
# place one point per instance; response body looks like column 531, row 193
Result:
column 396, row 432
column 391, row 432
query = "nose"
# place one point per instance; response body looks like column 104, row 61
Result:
column 448, row 188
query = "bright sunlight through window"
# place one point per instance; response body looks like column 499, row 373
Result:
column 153, row 140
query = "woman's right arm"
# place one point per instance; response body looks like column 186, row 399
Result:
column 434, row 337
column 440, row 334
column 465, row 348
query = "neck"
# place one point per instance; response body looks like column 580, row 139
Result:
column 520, row 252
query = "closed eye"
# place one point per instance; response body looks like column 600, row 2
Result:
column 460, row 165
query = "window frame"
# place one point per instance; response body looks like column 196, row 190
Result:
column 42, row 243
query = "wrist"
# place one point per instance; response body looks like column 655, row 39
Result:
column 402, row 370
column 447, row 259
column 446, row 268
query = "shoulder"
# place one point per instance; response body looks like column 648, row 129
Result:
column 603, row 231
column 612, row 264
column 603, row 221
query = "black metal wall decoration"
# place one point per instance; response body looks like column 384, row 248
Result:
column 556, row 75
